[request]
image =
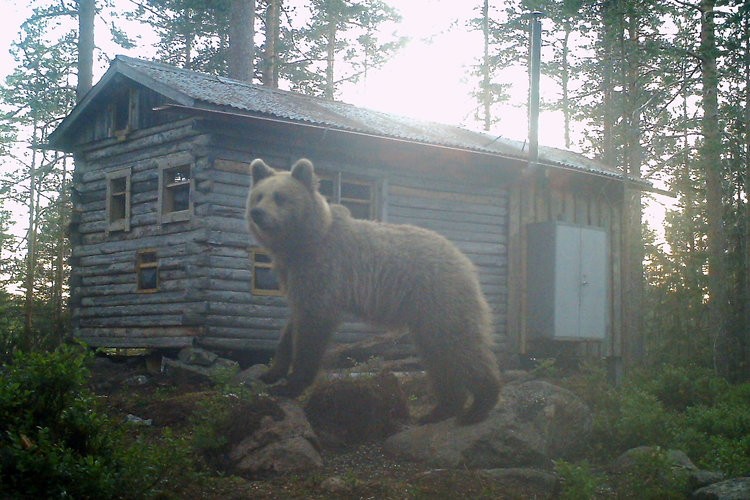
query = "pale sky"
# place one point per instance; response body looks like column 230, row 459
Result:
column 427, row 80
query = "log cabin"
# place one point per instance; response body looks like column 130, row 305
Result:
column 162, row 258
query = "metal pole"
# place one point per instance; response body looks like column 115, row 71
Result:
column 534, row 71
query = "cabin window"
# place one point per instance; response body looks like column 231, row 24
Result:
column 265, row 281
column 118, row 200
column 355, row 193
column 122, row 111
column 175, row 193
column 147, row 271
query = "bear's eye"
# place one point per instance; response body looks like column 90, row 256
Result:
column 279, row 198
column 258, row 198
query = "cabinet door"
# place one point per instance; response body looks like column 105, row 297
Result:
column 592, row 286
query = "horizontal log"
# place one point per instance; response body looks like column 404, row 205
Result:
column 137, row 343
column 271, row 331
column 237, row 168
column 169, row 241
column 441, row 206
column 401, row 180
column 143, row 332
column 249, row 324
column 237, row 344
column 246, row 310
column 132, row 321
column 462, row 198
column 179, row 138
column 215, row 293
column 95, row 300
column 230, row 262
column 141, row 310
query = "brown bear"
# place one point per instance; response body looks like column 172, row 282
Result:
column 389, row 275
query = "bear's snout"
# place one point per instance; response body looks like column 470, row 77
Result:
column 260, row 217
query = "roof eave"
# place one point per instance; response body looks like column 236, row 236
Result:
column 203, row 108
column 58, row 139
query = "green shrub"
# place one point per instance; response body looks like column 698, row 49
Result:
column 578, row 481
column 679, row 387
column 718, row 437
column 652, row 476
column 633, row 418
column 55, row 442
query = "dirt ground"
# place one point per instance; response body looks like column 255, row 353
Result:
column 133, row 387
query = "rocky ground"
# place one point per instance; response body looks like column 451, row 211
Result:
column 351, row 437
column 135, row 390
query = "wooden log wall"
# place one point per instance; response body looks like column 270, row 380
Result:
column 573, row 198
column 107, row 308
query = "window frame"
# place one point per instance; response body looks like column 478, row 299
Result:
column 140, row 265
column 339, row 179
column 123, row 223
column 167, row 216
column 256, row 290
column 124, row 99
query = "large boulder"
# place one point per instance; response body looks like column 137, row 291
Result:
column 283, row 441
column 731, row 489
column 349, row 411
column 675, row 462
column 534, row 423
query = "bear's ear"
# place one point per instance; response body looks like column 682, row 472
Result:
column 260, row 170
column 304, row 172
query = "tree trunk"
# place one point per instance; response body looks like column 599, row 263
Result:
column 710, row 158
column 27, row 343
column 241, row 44
column 86, row 13
column 565, row 83
column 607, row 61
column 270, row 74
column 330, row 88
column 486, row 93
column 633, row 315
column 746, row 267
column 57, row 292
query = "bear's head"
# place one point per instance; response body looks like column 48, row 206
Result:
column 284, row 209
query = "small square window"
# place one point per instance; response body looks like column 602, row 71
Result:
column 175, row 193
column 147, row 271
column 265, row 281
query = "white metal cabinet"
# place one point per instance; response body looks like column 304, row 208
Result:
column 567, row 284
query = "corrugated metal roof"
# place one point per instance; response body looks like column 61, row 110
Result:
column 217, row 93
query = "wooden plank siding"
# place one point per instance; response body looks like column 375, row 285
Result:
column 476, row 223
column 571, row 198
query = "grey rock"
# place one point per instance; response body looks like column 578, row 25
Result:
column 731, row 489
column 534, row 423
column 288, row 444
column 197, row 356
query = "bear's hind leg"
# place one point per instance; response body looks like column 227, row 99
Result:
column 484, row 384
column 486, row 394
column 441, row 411
column 451, row 396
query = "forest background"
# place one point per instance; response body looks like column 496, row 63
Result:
column 661, row 90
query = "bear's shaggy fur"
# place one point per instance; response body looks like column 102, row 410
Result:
column 394, row 276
